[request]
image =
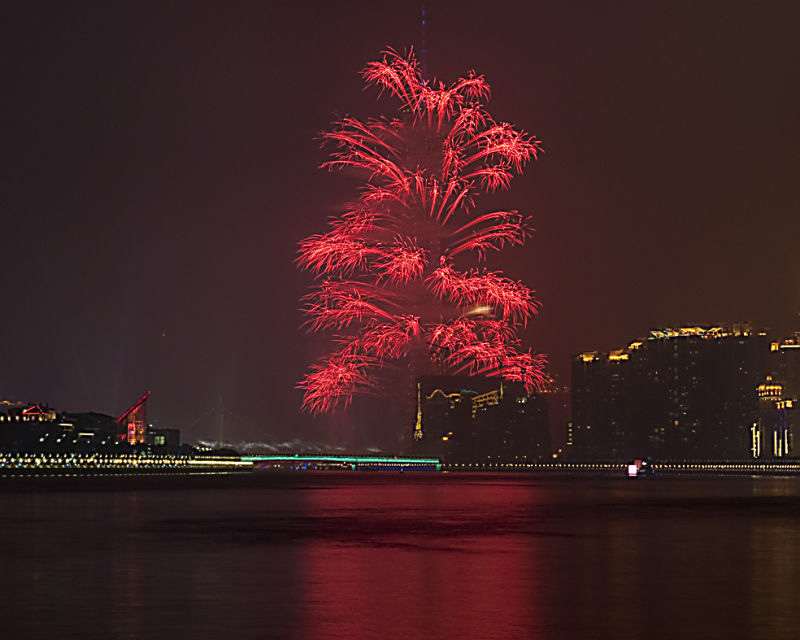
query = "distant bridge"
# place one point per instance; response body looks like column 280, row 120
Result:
column 355, row 463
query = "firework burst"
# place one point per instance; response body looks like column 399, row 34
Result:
column 390, row 293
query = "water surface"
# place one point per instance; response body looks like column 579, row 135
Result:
column 368, row 555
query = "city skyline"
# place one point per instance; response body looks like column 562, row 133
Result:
column 601, row 399
column 161, row 166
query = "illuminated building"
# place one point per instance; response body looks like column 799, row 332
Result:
column 37, row 428
column 88, row 428
column 785, row 364
column 444, row 415
column 24, row 426
column 557, row 398
column 783, row 434
column 600, row 412
column 513, row 429
column 134, row 421
column 472, row 418
column 170, row 438
column 772, row 437
column 33, row 413
column 778, row 394
column 684, row 393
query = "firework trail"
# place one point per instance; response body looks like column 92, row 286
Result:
column 390, row 293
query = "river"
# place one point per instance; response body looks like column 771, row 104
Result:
column 387, row 555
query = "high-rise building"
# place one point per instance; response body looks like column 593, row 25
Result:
column 785, row 364
column 557, row 399
column 600, row 404
column 773, row 436
column 680, row 393
column 515, row 428
column 474, row 418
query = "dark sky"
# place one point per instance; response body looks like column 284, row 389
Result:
column 160, row 165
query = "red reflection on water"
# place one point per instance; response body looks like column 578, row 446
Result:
column 430, row 569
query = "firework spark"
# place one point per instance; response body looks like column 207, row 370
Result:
column 390, row 292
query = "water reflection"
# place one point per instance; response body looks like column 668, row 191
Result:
column 434, row 556
column 774, row 566
column 432, row 563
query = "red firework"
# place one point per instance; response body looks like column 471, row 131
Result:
column 390, row 291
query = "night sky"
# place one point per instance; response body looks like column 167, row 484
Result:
column 160, row 163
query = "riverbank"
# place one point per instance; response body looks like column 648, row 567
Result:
column 27, row 464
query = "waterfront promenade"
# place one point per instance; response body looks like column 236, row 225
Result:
column 71, row 463
column 21, row 464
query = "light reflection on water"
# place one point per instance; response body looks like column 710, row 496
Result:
column 352, row 555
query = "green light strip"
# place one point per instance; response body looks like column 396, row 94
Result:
column 344, row 459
